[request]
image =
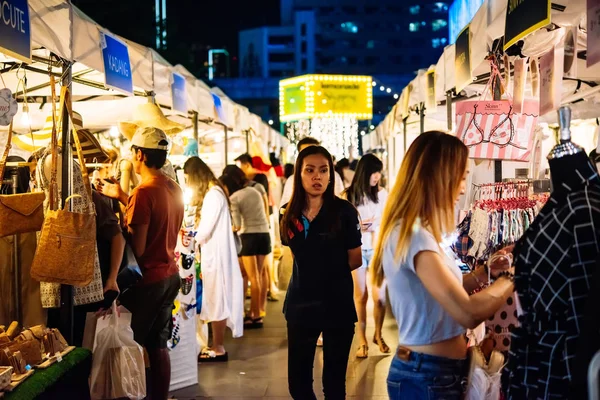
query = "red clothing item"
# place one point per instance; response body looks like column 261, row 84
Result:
column 157, row 203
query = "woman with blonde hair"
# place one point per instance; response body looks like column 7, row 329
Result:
column 428, row 294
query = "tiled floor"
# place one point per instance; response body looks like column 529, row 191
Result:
column 258, row 366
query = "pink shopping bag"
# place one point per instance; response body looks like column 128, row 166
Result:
column 492, row 130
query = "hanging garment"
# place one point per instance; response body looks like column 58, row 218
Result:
column 554, row 261
column 222, row 297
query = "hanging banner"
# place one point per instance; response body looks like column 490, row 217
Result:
column 178, row 93
column 430, row 102
column 218, row 107
column 551, row 74
column 534, row 77
column 570, row 52
column 15, row 29
column 117, row 68
column 462, row 61
column 519, row 78
column 524, row 17
column 593, row 32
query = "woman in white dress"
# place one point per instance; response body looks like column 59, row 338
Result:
column 369, row 199
column 222, row 301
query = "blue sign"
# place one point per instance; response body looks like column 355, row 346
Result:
column 218, row 107
column 178, row 93
column 15, row 29
column 117, row 68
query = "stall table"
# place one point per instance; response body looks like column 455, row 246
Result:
column 67, row 379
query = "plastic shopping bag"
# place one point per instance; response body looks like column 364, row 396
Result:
column 118, row 368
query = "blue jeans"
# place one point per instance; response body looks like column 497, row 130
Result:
column 425, row 377
column 367, row 256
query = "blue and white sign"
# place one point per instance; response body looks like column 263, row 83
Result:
column 179, row 94
column 15, row 29
column 117, row 68
column 218, row 107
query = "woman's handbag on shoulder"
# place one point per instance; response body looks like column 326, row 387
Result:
column 19, row 213
column 66, row 251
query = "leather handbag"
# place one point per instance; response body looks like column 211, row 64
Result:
column 66, row 250
column 19, row 213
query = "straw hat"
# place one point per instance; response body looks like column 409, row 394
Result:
column 149, row 115
column 39, row 139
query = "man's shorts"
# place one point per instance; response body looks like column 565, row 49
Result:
column 151, row 309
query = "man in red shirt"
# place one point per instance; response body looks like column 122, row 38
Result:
column 154, row 216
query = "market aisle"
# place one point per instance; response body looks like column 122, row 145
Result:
column 258, row 366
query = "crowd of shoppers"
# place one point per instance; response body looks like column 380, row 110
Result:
column 340, row 225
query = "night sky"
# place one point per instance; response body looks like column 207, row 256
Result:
column 194, row 25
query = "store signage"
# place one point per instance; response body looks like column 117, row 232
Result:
column 593, row 32
column 430, row 102
column 462, row 60
column 524, row 17
column 8, row 107
column 117, row 68
column 551, row 75
column 178, row 93
column 520, row 78
column 326, row 96
column 15, row 29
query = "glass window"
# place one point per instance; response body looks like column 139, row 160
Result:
column 438, row 24
column 435, row 43
column 416, row 59
column 397, row 59
column 370, row 44
column 414, row 10
column 304, row 46
column 303, row 29
column 371, row 60
column 352, row 60
column 440, row 7
column 326, row 10
column 371, row 10
column 349, row 10
column 414, row 27
column 304, row 65
column 349, row 27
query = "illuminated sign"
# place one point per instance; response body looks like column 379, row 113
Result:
column 15, row 29
column 311, row 96
column 460, row 13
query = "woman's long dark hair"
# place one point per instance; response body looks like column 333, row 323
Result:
column 200, row 176
column 230, row 183
column 360, row 189
column 236, row 174
column 297, row 204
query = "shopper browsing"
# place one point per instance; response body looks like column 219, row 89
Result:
column 324, row 235
column 428, row 293
column 222, row 300
column 369, row 199
column 154, row 217
column 288, row 188
column 250, row 221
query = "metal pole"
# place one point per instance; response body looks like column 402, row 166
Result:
column 247, row 140
column 66, row 291
column 405, row 130
column 16, row 265
column 195, row 125
column 449, row 109
column 497, row 96
column 422, row 117
column 226, row 139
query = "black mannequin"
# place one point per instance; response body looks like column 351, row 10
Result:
column 554, row 264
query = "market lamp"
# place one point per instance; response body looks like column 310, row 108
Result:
column 25, row 116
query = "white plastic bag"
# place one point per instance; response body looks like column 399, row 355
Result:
column 118, row 368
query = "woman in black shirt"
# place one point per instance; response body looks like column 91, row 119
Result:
column 323, row 232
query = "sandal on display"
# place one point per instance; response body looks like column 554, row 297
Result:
column 211, row 356
column 383, row 347
column 363, row 351
column 256, row 323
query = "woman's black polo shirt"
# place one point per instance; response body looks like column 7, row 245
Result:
column 321, row 288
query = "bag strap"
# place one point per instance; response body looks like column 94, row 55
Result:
column 82, row 166
column 54, row 146
column 6, row 151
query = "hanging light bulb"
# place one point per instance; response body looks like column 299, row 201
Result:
column 25, row 115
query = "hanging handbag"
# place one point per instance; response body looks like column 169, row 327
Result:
column 19, row 213
column 66, row 250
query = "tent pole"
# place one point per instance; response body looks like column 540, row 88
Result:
column 422, row 117
column 449, row 109
column 226, row 139
column 405, row 129
column 66, row 291
column 247, row 140
column 195, row 125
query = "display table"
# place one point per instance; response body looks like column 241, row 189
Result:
column 67, row 379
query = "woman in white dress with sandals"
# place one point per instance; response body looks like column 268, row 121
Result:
column 222, row 300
